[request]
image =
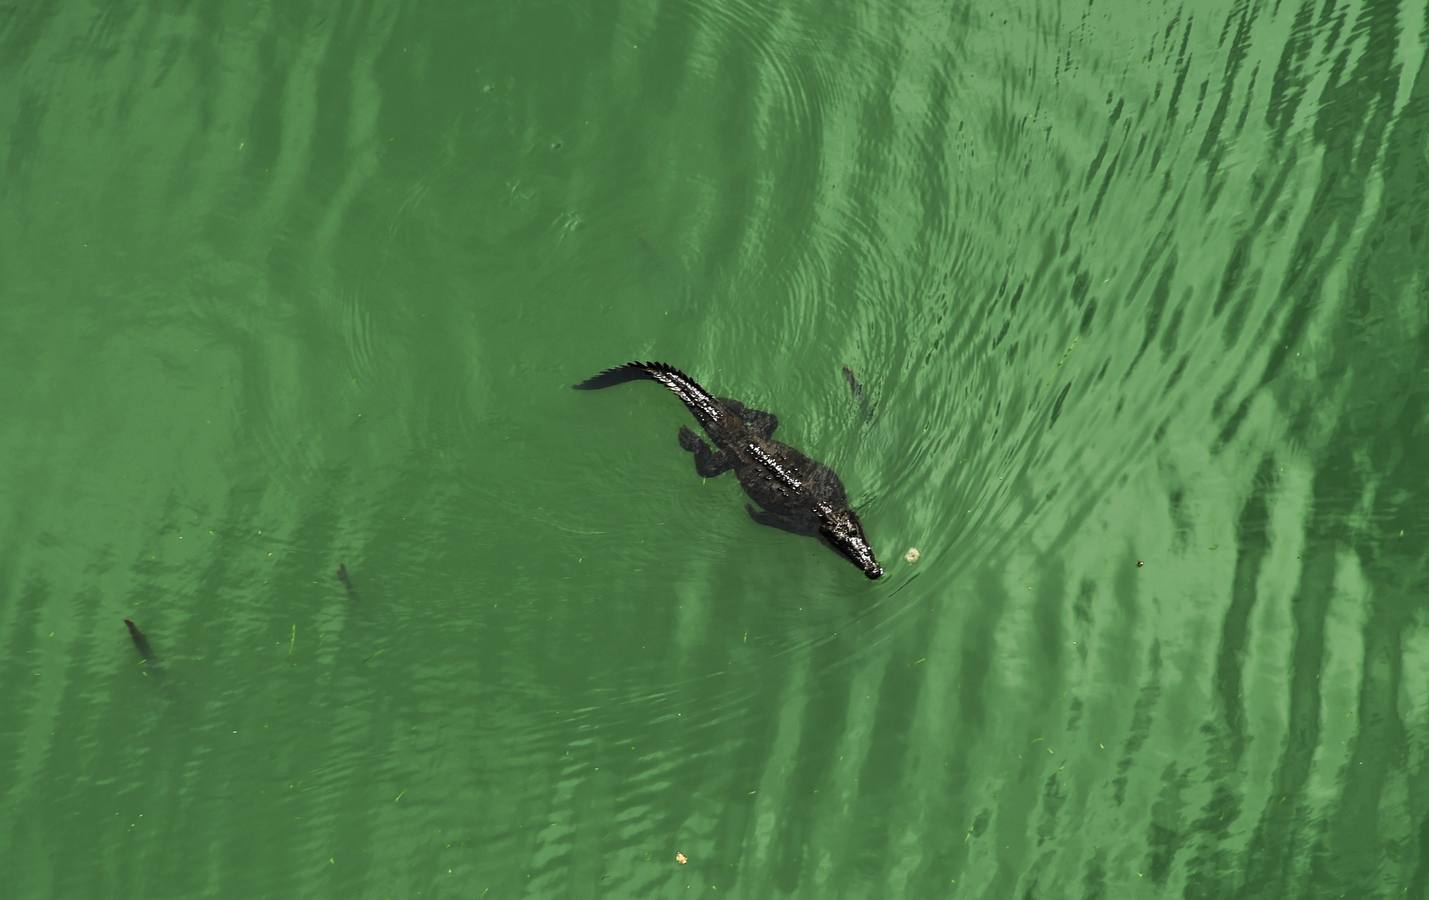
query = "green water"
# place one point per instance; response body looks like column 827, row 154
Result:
column 1139, row 293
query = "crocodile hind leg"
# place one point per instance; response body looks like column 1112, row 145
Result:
column 763, row 423
column 774, row 520
column 708, row 462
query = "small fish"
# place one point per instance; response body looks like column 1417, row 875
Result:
column 141, row 643
column 865, row 411
column 346, row 580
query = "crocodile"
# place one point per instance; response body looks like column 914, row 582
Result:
column 794, row 493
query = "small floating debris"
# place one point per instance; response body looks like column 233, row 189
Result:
column 681, row 858
column 1140, row 563
column 912, row 555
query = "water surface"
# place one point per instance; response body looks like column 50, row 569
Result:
column 1137, row 292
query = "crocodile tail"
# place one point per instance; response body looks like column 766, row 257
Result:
column 706, row 408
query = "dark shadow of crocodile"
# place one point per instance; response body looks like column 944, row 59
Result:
column 795, row 493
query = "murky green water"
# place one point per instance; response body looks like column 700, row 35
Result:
column 1139, row 293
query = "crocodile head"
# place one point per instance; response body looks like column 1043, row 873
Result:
column 841, row 529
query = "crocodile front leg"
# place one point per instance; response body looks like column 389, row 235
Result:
column 774, row 520
column 708, row 462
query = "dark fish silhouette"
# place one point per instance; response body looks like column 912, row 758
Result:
column 865, row 411
column 346, row 580
column 141, row 643
column 796, row 493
